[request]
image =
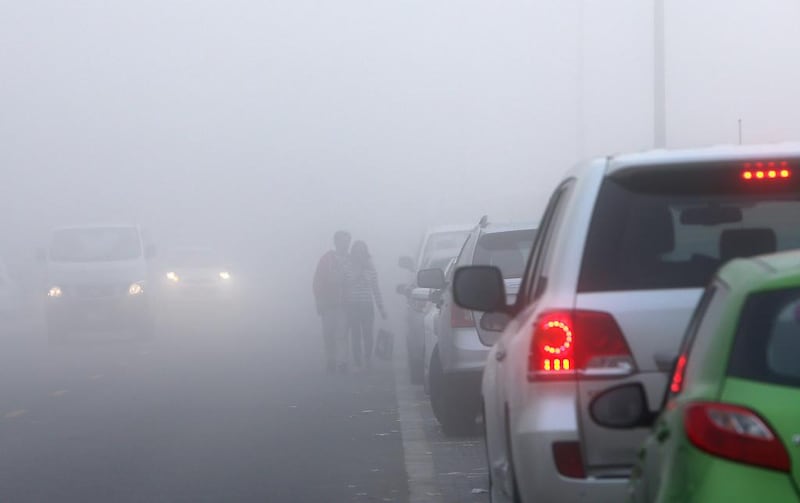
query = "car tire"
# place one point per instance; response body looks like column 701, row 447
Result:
column 447, row 402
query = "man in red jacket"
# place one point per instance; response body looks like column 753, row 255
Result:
column 329, row 286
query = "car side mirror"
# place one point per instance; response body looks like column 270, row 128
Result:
column 479, row 288
column 406, row 263
column 622, row 407
column 431, row 278
column 41, row 255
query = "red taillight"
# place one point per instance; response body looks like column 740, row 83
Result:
column 735, row 433
column 677, row 377
column 461, row 318
column 766, row 171
column 569, row 461
column 566, row 341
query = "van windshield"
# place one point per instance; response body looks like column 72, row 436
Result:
column 506, row 250
column 655, row 232
column 443, row 243
column 97, row 244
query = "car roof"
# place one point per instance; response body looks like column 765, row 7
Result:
column 661, row 157
column 492, row 228
column 763, row 272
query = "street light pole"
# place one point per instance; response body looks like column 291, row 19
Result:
column 659, row 78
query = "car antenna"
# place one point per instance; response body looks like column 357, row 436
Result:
column 484, row 221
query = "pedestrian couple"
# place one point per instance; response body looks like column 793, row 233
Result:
column 346, row 293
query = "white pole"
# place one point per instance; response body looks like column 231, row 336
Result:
column 659, row 78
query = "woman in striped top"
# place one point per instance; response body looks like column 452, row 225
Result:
column 361, row 295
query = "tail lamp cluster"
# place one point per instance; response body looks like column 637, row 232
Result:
column 569, row 341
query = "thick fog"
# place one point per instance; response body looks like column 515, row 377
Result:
column 261, row 127
column 258, row 128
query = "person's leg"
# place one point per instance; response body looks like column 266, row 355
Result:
column 368, row 332
column 355, row 334
column 329, row 338
column 342, row 338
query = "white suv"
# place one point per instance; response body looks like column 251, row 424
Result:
column 623, row 251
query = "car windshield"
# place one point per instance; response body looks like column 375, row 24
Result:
column 647, row 234
column 768, row 340
column 199, row 258
column 448, row 243
column 95, row 244
column 505, row 250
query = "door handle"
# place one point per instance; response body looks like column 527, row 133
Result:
column 500, row 354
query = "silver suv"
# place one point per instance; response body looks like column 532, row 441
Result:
column 455, row 347
column 624, row 249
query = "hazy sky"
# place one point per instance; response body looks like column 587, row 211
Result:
column 262, row 126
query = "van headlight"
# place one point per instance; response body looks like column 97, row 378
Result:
column 54, row 292
column 135, row 289
column 225, row 275
column 173, row 276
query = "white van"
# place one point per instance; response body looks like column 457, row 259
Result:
column 97, row 279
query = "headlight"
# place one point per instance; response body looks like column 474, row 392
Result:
column 135, row 289
column 54, row 292
column 225, row 275
column 173, row 277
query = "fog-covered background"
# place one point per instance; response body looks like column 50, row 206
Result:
column 260, row 127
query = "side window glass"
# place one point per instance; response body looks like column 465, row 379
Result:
column 535, row 281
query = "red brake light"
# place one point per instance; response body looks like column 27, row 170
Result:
column 567, row 341
column 569, row 461
column 735, row 433
column 766, row 171
column 461, row 318
column 677, row 377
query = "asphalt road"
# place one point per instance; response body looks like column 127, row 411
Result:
column 211, row 410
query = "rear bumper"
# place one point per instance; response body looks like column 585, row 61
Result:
column 462, row 351
column 549, row 417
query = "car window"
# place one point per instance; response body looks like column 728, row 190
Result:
column 767, row 345
column 535, row 282
column 95, row 244
column 506, row 250
column 650, row 233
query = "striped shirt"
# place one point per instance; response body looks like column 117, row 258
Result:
column 362, row 286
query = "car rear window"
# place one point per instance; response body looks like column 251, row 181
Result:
column 506, row 250
column 767, row 345
column 674, row 227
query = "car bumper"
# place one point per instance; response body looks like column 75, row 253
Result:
column 110, row 312
column 549, row 417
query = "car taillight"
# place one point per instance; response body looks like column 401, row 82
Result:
column 766, row 170
column 568, row 459
column 734, row 433
column 676, row 384
column 565, row 342
column 461, row 318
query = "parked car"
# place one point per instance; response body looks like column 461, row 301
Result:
column 728, row 430
column 455, row 346
column 97, row 279
column 439, row 245
column 624, row 249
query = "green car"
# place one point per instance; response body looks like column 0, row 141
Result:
column 729, row 427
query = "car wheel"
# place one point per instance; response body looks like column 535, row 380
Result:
column 447, row 402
